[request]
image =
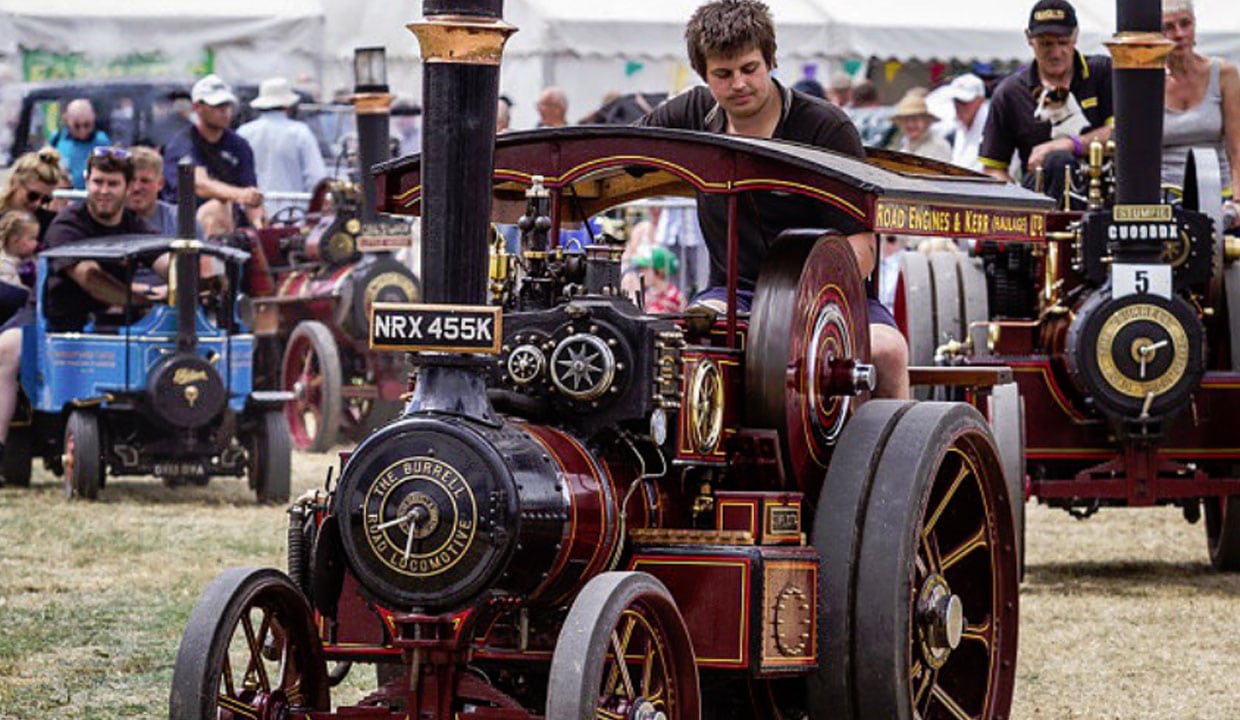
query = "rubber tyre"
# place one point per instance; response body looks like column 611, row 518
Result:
column 18, row 457
column 581, row 653
column 202, row 661
column 83, row 448
column 270, row 459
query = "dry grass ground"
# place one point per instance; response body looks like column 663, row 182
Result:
column 1121, row 616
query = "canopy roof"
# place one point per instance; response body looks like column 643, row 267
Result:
column 601, row 167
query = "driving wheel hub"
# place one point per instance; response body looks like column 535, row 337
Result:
column 643, row 709
column 940, row 620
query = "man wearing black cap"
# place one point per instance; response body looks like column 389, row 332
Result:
column 1050, row 110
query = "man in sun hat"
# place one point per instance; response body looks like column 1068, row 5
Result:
column 286, row 154
column 224, row 175
column 914, row 120
column 1058, row 69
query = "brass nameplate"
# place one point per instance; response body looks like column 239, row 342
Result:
column 1141, row 213
column 906, row 218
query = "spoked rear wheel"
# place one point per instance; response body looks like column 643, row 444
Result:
column 311, row 371
column 623, row 652
column 925, row 620
column 250, row 650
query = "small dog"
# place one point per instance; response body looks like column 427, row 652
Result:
column 1058, row 106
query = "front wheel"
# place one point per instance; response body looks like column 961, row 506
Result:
column 83, row 458
column 250, row 650
column 623, row 652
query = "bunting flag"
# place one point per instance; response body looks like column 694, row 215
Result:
column 680, row 77
column 892, row 67
column 936, row 72
column 632, row 67
column 852, row 66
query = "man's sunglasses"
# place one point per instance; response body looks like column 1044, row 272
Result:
column 110, row 152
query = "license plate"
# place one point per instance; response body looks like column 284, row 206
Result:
column 438, row 328
column 180, row 469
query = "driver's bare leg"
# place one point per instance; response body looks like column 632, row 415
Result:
column 215, row 218
column 889, row 353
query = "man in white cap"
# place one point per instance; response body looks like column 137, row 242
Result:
column 968, row 94
column 224, row 177
column 286, row 154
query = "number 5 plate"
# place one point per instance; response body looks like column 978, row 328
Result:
column 438, row 328
column 1140, row 280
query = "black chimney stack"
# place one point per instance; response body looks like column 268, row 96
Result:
column 184, row 272
column 1139, row 57
column 372, row 105
column 462, row 44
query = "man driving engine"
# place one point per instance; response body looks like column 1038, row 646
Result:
column 731, row 45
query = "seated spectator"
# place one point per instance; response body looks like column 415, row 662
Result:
column 1201, row 95
column 143, row 196
column 31, row 181
column 19, row 238
column 76, row 138
column 224, row 176
column 914, row 120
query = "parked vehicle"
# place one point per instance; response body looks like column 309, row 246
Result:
column 168, row 393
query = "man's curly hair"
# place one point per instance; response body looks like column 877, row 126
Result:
column 727, row 28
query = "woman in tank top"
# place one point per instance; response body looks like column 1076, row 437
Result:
column 1202, row 103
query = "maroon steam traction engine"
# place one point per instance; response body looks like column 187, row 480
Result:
column 312, row 286
column 588, row 511
column 314, row 278
column 1120, row 325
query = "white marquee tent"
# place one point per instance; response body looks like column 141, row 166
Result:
column 591, row 47
column 990, row 29
column 586, row 47
column 245, row 37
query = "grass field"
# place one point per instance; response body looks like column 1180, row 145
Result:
column 1121, row 616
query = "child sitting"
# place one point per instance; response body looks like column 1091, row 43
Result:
column 19, row 238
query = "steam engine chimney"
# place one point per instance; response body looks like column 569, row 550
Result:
column 372, row 104
column 462, row 43
column 1139, row 57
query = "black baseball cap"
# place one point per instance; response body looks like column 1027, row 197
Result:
column 1052, row 17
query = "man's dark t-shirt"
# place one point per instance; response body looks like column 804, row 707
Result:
column 231, row 160
column 1011, row 124
column 762, row 215
column 68, row 306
